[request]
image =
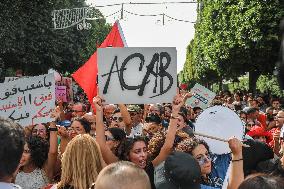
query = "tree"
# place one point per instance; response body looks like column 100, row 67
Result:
column 235, row 37
column 29, row 42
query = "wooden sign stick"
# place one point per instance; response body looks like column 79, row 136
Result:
column 215, row 138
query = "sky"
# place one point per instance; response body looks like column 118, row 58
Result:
column 149, row 31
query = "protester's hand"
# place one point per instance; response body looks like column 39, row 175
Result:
column 52, row 124
column 98, row 102
column 146, row 107
column 236, row 146
column 56, row 113
column 179, row 101
column 62, row 132
column 59, row 103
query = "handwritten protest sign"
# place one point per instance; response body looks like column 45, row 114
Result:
column 202, row 97
column 28, row 100
column 137, row 75
column 8, row 79
column 60, row 93
column 66, row 81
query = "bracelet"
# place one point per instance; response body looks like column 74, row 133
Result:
column 234, row 160
column 52, row 129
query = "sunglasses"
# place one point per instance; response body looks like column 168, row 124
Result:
column 250, row 124
column 203, row 159
column 118, row 119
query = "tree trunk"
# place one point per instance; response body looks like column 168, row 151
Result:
column 220, row 84
column 253, row 77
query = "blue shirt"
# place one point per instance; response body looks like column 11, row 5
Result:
column 220, row 165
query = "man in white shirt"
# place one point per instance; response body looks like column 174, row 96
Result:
column 11, row 150
column 135, row 114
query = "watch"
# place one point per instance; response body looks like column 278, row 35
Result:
column 52, row 129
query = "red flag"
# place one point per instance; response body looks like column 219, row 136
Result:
column 86, row 75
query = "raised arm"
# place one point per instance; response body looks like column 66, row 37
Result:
column 237, row 173
column 53, row 146
column 108, row 156
column 166, row 149
column 126, row 118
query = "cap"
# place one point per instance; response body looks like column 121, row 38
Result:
column 180, row 171
column 134, row 108
column 249, row 110
column 64, row 123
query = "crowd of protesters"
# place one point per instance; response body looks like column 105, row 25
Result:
column 125, row 146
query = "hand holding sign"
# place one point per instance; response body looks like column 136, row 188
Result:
column 179, row 100
column 98, row 103
column 236, row 146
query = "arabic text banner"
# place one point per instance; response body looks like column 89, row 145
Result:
column 29, row 100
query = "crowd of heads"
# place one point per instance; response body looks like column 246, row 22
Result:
column 137, row 134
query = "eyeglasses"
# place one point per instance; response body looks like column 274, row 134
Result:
column 119, row 119
column 109, row 138
column 70, row 129
column 203, row 159
column 250, row 124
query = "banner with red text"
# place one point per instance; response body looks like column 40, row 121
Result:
column 28, row 100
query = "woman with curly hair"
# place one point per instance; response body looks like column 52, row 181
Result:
column 213, row 167
column 81, row 163
column 38, row 161
column 135, row 149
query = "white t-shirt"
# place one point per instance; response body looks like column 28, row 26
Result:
column 136, row 130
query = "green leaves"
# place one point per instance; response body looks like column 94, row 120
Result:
column 234, row 37
column 29, row 42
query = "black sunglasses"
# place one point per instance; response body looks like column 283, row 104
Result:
column 119, row 119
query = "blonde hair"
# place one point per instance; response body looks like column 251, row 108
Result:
column 123, row 175
column 81, row 162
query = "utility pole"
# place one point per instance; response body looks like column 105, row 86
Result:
column 121, row 12
column 163, row 19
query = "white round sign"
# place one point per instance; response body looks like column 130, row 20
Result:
column 221, row 122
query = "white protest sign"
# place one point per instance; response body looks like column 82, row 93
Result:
column 137, row 75
column 9, row 79
column 67, row 81
column 220, row 122
column 60, row 93
column 28, row 100
column 202, row 97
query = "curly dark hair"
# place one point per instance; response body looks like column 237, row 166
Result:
column 39, row 150
column 126, row 145
column 46, row 128
column 156, row 143
column 85, row 123
column 188, row 145
column 158, row 140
